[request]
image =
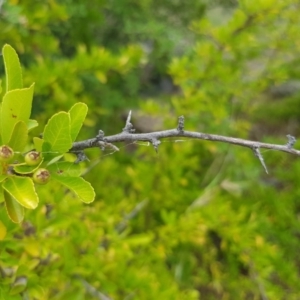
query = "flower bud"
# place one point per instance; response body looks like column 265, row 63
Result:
column 41, row 176
column 33, row 158
column 6, row 153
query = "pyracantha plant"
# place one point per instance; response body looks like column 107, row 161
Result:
column 26, row 162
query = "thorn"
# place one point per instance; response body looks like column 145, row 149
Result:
column 128, row 126
column 261, row 159
column 128, row 118
column 100, row 135
column 155, row 144
column 80, row 157
column 180, row 126
column 291, row 141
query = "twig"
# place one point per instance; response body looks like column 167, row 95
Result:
column 136, row 210
column 153, row 137
column 92, row 290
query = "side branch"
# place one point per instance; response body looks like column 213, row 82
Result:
column 126, row 136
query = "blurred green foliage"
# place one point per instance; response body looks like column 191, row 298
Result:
column 198, row 220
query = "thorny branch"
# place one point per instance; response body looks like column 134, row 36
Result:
column 128, row 135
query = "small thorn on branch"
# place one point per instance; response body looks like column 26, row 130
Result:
column 155, row 144
column 291, row 141
column 180, row 126
column 80, row 157
column 100, row 135
column 261, row 159
column 128, row 126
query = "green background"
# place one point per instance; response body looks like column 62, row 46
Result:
column 198, row 220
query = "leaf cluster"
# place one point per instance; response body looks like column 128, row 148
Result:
column 17, row 177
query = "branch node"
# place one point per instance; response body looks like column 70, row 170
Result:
column 128, row 126
column 259, row 156
column 112, row 146
column 180, row 126
column 155, row 144
column 80, row 157
column 103, row 145
column 291, row 141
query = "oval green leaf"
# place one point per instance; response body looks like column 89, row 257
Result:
column 0, row 124
column 65, row 168
column 14, row 210
column 19, row 137
column 32, row 124
column 77, row 114
column 22, row 189
column 25, row 169
column 2, row 177
column 57, row 136
column 81, row 188
column 38, row 143
column 12, row 68
column 16, row 106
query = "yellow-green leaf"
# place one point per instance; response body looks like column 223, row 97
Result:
column 25, row 169
column 22, row 189
column 57, row 136
column 12, row 68
column 14, row 210
column 77, row 113
column 3, row 231
column 19, row 137
column 38, row 143
column 32, row 124
column 16, row 106
column 81, row 188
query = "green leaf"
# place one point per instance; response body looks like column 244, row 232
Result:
column 0, row 124
column 19, row 137
column 22, row 189
column 25, row 169
column 65, row 168
column 57, row 136
column 2, row 177
column 1, row 196
column 53, row 159
column 12, row 68
column 16, row 106
column 83, row 189
column 38, row 143
column 3, row 229
column 14, row 210
column 19, row 285
column 77, row 114
column 32, row 124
